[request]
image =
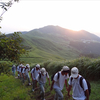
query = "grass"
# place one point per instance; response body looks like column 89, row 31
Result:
column 46, row 49
column 13, row 89
column 95, row 91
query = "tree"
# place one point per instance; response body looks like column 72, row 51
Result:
column 11, row 48
column 6, row 5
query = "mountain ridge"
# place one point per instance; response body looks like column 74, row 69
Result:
column 74, row 35
column 57, row 43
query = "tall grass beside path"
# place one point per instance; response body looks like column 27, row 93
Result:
column 12, row 89
column 89, row 68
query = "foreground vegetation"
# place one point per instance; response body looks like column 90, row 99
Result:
column 13, row 89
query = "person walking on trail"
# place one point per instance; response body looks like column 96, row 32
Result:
column 27, row 69
column 23, row 73
column 41, row 78
column 13, row 70
column 74, row 83
column 18, row 71
column 34, row 73
column 58, row 82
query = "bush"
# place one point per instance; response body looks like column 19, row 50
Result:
column 88, row 68
column 5, row 67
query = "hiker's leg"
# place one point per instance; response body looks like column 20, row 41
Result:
column 28, row 78
column 23, row 78
column 18, row 74
column 55, row 97
column 34, row 84
column 14, row 72
column 42, row 90
column 59, row 94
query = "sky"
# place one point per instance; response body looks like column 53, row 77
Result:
column 76, row 15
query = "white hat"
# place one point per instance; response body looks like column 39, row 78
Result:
column 43, row 71
column 74, row 72
column 38, row 66
column 28, row 65
column 65, row 68
column 21, row 65
column 14, row 66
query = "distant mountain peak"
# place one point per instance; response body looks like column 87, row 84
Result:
column 67, row 33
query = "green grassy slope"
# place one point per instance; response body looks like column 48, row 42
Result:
column 45, row 49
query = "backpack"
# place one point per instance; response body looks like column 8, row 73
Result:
column 54, row 75
column 34, row 70
column 22, row 69
column 88, row 84
column 40, row 75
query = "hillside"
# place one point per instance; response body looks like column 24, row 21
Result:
column 43, row 49
column 57, row 43
column 66, row 33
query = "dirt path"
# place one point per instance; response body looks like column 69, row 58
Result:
column 48, row 95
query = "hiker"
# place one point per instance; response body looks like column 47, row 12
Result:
column 27, row 69
column 74, row 83
column 23, row 73
column 41, row 78
column 58, row 82
column 34, row 72
column 13, row 70
column 18, row 71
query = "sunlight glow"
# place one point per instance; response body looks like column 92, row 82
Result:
column 75, row 15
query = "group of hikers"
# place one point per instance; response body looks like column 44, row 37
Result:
column 40, row 76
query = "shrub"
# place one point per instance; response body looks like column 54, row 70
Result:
column 5, row 67
column 88, row 68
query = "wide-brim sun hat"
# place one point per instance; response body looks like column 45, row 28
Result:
column 74, row 72
column 43, row 71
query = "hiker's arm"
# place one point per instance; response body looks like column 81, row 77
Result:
column 69, row 88
column 49, row 81
column 87, row 94
column 66, row 84
column 52, row 85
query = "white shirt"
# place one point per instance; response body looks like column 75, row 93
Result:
column 35, row 73
column 23, row 70
column 78, row 92
column 42, row 79
column 59, row 83
column 27, row 70
column 18, row 68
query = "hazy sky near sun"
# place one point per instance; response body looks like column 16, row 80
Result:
column 71, row 14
